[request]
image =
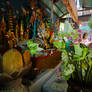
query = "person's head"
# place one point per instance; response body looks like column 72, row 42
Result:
column 85, row 35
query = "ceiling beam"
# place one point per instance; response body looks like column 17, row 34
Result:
column 64, row 14
column 58, row 8
column 47, row 7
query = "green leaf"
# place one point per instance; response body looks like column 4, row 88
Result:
column 64, row 56
column 68, row 70
column 59, row 45
column 33, row 52
column 85, row 52
column 90, row 61
column 75, row 31
column 29, row 42
column 75, row 36
column 90, row 54
column 80, row 55
column 76, row 58
column 68, row 77
column 78, row 50
column 33, row 47
column 84, row 65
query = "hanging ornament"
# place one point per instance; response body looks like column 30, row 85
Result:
column 3, row 20
column 17, row 12
column 32, row 4
column 17, row 29
column 10, row 19
column 12, row 7
column 21, row 30
column 33, row 17
column 38, row 13
column 3, row 24
column 23, row 10
column 2, row 9
column 8, row 3
column 27, row 33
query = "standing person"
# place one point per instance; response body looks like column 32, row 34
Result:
column 85, row 39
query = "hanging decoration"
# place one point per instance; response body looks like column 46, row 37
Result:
column 32, row 4
column 52, row 11
column 26, row 36
column 33, row 17
column 21, row 31
column 32, row 24
column 3, row 25
column 11, row 36
column 17, row 30
column 10, row 19
column 33, row 7
column 23, row 10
